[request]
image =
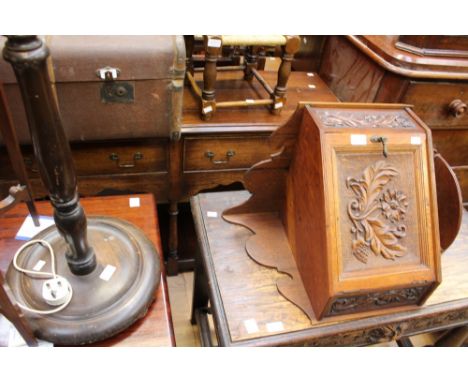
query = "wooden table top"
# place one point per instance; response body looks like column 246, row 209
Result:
column 155, row 329
column 249, row 310
column 230, row 86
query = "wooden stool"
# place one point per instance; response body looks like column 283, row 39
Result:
column 213, row 47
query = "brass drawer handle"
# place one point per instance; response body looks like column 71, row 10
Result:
column 211, row 155
column 383, row 140
column 137, row 156
column 457, row 108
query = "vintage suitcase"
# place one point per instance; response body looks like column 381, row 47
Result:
column 110, row 87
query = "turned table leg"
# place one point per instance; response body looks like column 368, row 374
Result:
column 251, row 62
column 172, row 261
column 213, row 45
column 288, row 51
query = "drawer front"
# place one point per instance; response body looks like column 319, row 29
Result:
column 121, row 159
column 222, row 153
column 452, row 145
column 103, row 159
column 435, row 103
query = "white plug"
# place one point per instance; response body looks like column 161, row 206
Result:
column 56, row 291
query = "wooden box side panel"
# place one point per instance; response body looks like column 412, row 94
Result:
column 305, row 217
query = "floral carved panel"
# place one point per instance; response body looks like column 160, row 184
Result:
column 377, row 212
column 359, row 119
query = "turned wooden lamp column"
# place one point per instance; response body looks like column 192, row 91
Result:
column 101, row 306
column 28, row 55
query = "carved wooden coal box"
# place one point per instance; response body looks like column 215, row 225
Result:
column 347, row 208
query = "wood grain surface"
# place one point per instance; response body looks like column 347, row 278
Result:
column 248, row 292
column 155, row 329
column 230, row 86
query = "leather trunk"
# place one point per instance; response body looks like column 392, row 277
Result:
column 110, row 87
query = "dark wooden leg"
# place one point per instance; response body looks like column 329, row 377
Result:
column 201, row 318
column 200, row 290
column 11, row 143
column 455, row 337
column 251, row 62
column 189, row 43
column 213, row 47
column 14, row 315
column 172, row 261
column 288, row 50
column 175, row 179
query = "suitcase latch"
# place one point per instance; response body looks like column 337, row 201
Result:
column 108, row 73
column 113, row 91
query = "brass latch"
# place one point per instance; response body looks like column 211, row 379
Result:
column 383, row 140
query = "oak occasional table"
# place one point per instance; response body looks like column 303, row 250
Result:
column 155, row 329
column 247, row 309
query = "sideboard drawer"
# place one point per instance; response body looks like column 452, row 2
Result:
column 452, row 145
column 438, row 103
column 221, row 153
column 112, row 158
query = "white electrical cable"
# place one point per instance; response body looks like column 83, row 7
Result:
column 38, row 273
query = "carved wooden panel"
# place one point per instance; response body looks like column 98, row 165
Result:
column 378, row 222
column 387, row 119
column 377, row 300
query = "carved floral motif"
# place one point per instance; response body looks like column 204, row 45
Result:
column 364, row 120
column 377, row 214
column 392, row 331
column 393, row 204
column 377, row 299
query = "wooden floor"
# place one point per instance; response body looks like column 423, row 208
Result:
column 180, row 297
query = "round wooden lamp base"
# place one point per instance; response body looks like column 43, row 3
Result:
column 105, row 302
